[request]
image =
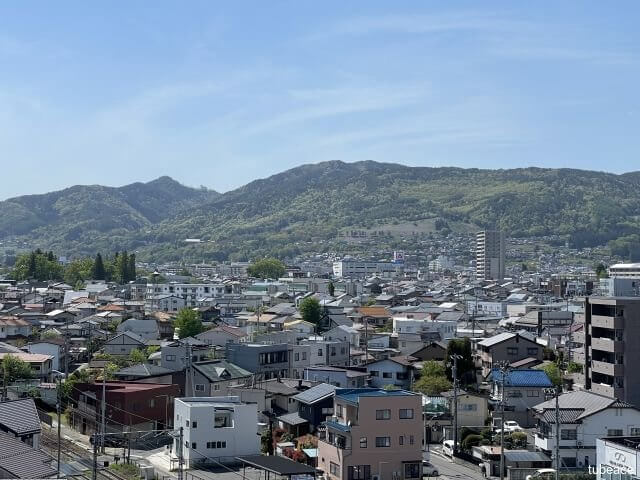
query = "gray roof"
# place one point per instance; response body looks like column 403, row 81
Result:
column 292, row 419
column 142, row 370
column 315, row 394
column 525, row 456
column 501, row 337
column 20, row 416
column 217, row 370
column 22, row 461
column 588, row 402
column 451, row 316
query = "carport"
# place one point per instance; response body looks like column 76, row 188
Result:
column 277, row 467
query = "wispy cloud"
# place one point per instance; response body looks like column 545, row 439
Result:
column 549, row 52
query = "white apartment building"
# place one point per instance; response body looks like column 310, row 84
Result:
column 628, row 270
column 189, row 292
column 445, row 328
column 440, row 264
column 215, row 427
column 361, row 269
column 490, row 255
column 313, row 353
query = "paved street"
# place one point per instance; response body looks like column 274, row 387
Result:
column 448, row 469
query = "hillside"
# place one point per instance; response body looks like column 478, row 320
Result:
column 74, row 216
column 310, row 206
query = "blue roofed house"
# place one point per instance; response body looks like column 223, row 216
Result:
column 523, row 389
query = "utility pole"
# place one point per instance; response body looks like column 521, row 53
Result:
column 58, row 407
column 94, row 471
column 103, row 418
column 557, row 446
column 66, row 348
column 454, row 374
column 503, row 369
column 180, row 458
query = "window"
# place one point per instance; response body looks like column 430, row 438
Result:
column 383, row 414
column 514, row 394
column 387, row 375
column 411, row 440
column 401, row 440
column 532, row 351
column 297, row 356
column 152, row 402
column 199, row 387
column 533, row 393
column 339, row 410
column 411, row 470
column 363, row 442
column 406, row 413
column 194, row 445
column 614, row 432
column 188, row 423
column 194, row 424
column 512, row 350
column 304, row 355
column 359, row 472
column 634, row 431
column 319, row 352
column 343, row 350
column 216, row 387
column 170, row 358
column 568, row 434
column 334, row 469
column 469, row 407
column 383, row 442
column 374, row 373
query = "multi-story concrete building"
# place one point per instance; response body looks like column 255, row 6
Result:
column 215, row 427
column 267, row 361
column 490, row 254
column 628, row 270
column 619, row 287
column 360, row 269
column 373, row 434
column 189, row 292
column 609, row 353
column 505, row 347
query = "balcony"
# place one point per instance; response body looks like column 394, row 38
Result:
column 611, row 369
column 607, row 322
column 607, row 390
column 607, row 345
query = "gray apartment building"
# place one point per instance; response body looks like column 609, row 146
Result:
column 490, row 254
column 267, row 361
column 609, row 353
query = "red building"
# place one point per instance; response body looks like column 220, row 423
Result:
column 128, row 406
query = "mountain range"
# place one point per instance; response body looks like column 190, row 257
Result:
column 311, row 207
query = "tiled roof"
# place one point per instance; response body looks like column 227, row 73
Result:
column 353, row 395
column 522, row 378
column 217, row 370
column 20, row 416
column 588, row 402
column 292, row 419
column 20, row 460
column 315, row 394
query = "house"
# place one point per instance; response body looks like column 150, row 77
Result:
column 20, row 419
column 344, row 333
column 221, row 335
column 398, row 371
column 374, row 433
column 128, row 405
column 13, row 327
column 267, row 361
column 375, row 315
column 505, row 347
column 175, row 355
column 584, row 417
column 146, row 329
column 122, row 344
column 340, row 377
column 523, row 389
column 408, row 342
column 317, row 352
column 301, row 326
column 214, row 377
column 52, row 347
column 473, row 409
column 215, row 428
column 20, row 460
column 316, row 404
column 436, row 351
column 40, row 364
column 146, row 372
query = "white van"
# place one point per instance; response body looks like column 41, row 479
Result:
column 447, row 448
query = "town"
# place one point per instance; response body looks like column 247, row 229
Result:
column 454, row 366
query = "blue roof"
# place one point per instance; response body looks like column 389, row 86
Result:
column 353, row 395
column 529, row 377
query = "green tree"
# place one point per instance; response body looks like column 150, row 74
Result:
column 471, row 441
column 137, row 356
column 331, row 289
column 266, row 268
column 49, row 335
column 574, row 367
column 38, row 266
column 15, row 369
column 554, row 374
column 99, row 272
column 601, row 271
column 433, row 379
column 78, row 271
column 188, row 322
column 310, row 310
column 131, row 268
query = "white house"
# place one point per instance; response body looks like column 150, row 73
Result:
column 53, row 348
column 584, row 417
column 344, row 333
column 215, row 427
column 221, row 335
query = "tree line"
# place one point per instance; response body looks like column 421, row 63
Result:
column 43, row 266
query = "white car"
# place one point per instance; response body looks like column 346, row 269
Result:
column 447, row 448
column 510, row 426
column 542, row 474
column 428, row 470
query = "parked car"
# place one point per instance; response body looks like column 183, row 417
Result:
column 428, row 470
column 510, row 426
column 542, row 474
column 447, row 448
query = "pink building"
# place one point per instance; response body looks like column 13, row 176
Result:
column 374, row 434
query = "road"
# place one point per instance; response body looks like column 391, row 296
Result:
column 450, row 470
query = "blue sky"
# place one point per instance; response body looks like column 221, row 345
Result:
column 221, row 93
